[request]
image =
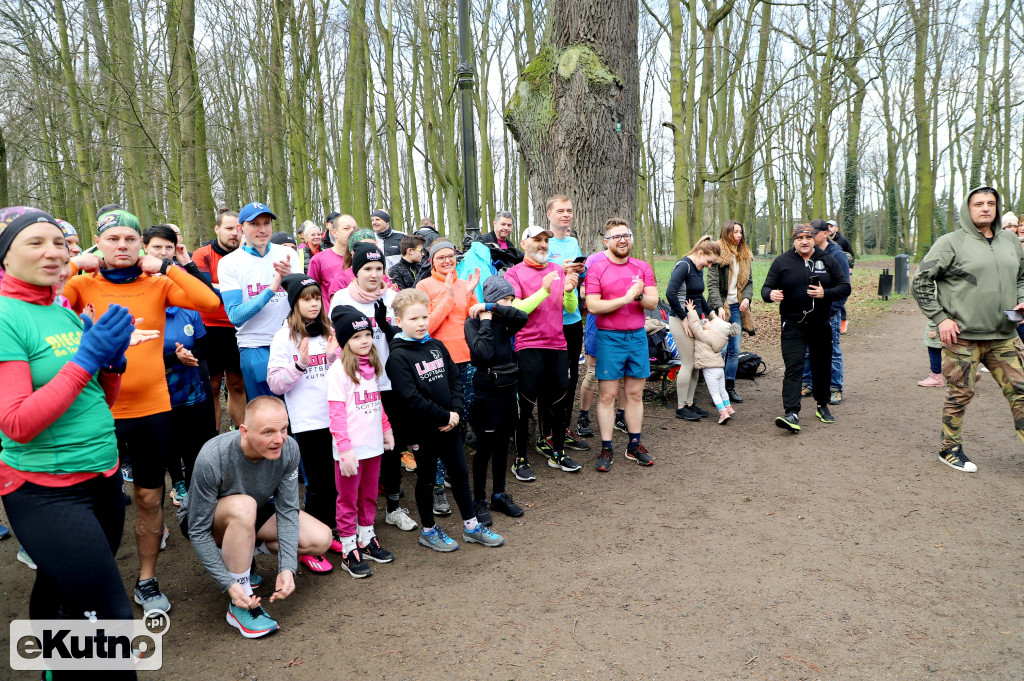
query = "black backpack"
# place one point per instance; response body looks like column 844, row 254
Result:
column 750, row 365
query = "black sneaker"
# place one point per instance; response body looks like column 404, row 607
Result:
column 545, row 447
column 374, row 551
column 572, row 443
column 824, row 415
column 521, row 469
column 687, row 413
column 790, row 422
column 955, row 458
column 503, row 502
column 604, row 462
column 620, row 424
column 354, row 564
column 567, row 464
column 483, row 516
column 583, row 428
column 700, row 412
column 640, row 455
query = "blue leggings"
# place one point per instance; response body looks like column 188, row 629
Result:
column 935, row 360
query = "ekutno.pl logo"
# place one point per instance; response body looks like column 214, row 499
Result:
column 89, row 644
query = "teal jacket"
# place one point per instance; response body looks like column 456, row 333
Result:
column 971, row 281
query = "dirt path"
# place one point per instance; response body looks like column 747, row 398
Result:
column 846, row 552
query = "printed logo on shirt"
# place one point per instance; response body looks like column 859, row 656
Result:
column 189, row 330
column 819, row 266
column 258, row 289
column 433, row 369
column 366, row 397
column 317, row 367
column 64, row 344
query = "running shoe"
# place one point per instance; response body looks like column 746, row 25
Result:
column 567, row 464
column 163, row 539
column 483, row 516
column 843, row 326
column 316, row 564
column 23, row 557
column 698, row 411
column 355, row 565
column 503, row 502
column 126, row 472
column 336, row 546
column 441, row 505
column 4, row 532
column 955, row 458
column 409, row 461
column 836, row 398
column 149, row 596
column 687, row 413
column 375, row 552
column 806, row 390
column 620, row 424
column 482, row 535
column 572, row 443
column 521, row 469
column 251, row 622
column 439, row 541
column 583, row 427
column 178, row 493
column 255, row 581
column 824, row 415
column 400, row 519
column 640, row 454
column 545, row 447
column 790, row 422
column 604, row 461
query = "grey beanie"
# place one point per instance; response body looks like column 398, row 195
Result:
column 438, row 245
column 497, row 287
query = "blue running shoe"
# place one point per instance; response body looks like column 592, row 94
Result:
column 4, row 532
column 483, row 535
column 252, row 623
column 255, row 581
column 439, row 541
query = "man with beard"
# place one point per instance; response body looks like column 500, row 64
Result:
column 221, row 344
column 541, row 349
column 500, row 238
column 619, row 289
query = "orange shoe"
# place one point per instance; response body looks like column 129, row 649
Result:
column 409, row 461
column 842, row 326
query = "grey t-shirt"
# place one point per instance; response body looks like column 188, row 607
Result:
column 222, row 470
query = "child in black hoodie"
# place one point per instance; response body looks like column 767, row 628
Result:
column 495, row 412
column 427, row 384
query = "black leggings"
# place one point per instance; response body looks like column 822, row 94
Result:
column 448, row 448
column 543, row 376
column 192, row 425
column 146, row 442
column 72, row 534
column 494, row 419
column 317, row 455
column 574, row 343
column 390, row 462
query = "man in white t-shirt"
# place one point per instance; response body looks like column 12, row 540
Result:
column 250, row 285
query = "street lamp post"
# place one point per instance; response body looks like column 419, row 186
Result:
column 471, row 194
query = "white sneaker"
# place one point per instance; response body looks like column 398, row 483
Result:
column 26, row 559
column 400, row 518
column 163, row 539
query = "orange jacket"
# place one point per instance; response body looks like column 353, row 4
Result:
column 447, row 322
column 144, row 384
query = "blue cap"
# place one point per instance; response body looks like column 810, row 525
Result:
column 253, row 210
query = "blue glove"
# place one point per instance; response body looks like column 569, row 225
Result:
column 104, row 342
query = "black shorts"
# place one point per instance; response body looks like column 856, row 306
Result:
column 146, row 442
column 222, row 350
column 263, row 514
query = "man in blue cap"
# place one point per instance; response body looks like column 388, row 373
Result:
column 250, row 285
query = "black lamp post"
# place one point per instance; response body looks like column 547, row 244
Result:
column 471, row 194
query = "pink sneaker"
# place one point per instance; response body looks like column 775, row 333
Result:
column 730, row 410
column 336, row 547
column 933, row 381
column 723, row 416
column 317, row 564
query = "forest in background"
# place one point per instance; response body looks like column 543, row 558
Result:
column 879, row 114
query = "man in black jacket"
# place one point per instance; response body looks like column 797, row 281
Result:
column 500, row 239
column 843, row 243
column 804, row 280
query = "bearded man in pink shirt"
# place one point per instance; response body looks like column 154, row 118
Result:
column 542, row 290
column 619, row 289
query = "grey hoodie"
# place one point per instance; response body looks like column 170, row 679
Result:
column 966, row 278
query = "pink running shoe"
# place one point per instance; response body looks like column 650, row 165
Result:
column 336, row 547
column 723, row 416
column 933, row 381
column 317, row 564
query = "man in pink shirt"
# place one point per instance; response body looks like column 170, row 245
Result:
column 619, row 289
column 541, row 350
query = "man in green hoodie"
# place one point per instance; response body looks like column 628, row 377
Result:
column 967, row 284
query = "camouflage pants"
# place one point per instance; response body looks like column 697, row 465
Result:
column 960, row 368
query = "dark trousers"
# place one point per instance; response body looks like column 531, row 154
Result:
column 447, row 447
column 494, row 419
column 391, row 461
column 574, row 346
column 192, row 425
column 813, row 339
column 73, row 533
column 543, row 377
column 317, row 454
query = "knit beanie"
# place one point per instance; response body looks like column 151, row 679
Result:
column 363, row 253
column 497, row 287
column 16, row 218
column 439, row 245
column 348, row 321
column 294, row 285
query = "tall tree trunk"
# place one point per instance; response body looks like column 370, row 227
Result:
column 576, row 113
column 851, row 178
column 753, row 117
column 5, row 198
column 394, row 198
column 925, row 200
column 977, row 152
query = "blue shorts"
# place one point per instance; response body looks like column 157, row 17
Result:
column 254, row 363
column 590, row 336
column 622, row 353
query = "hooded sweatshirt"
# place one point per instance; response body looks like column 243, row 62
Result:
column 967, row 278
column 426, row 382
